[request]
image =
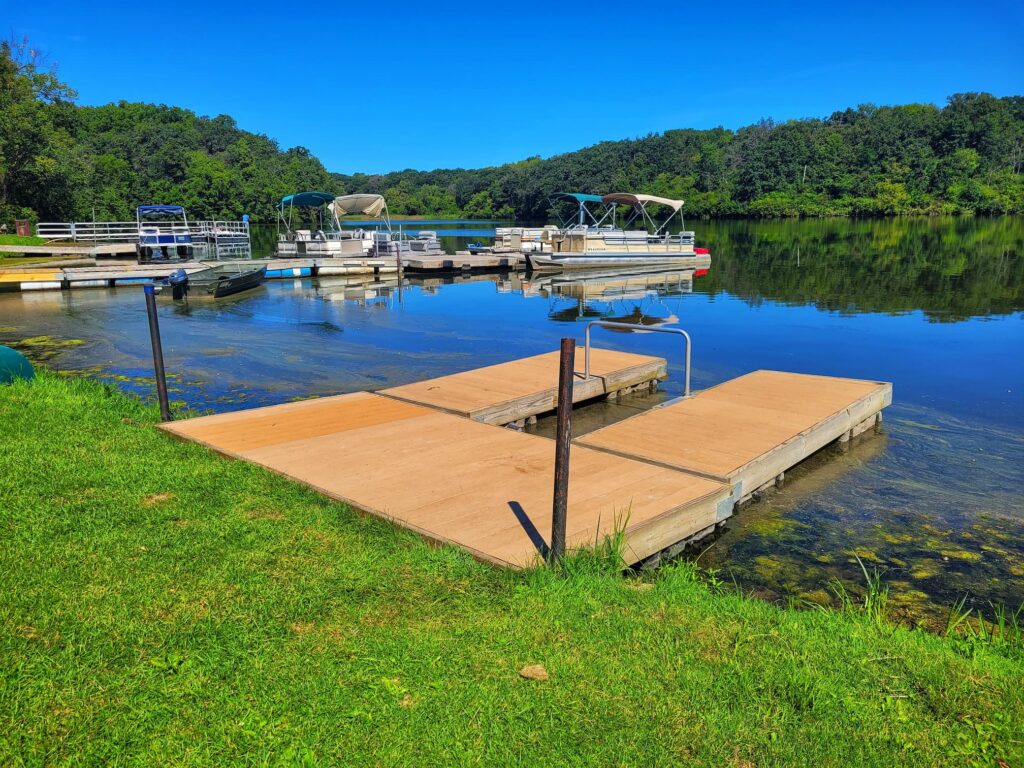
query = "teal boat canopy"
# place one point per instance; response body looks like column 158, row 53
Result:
column 579, row 197
column 306, row 199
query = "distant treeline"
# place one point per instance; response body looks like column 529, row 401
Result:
column 60, row 161
column 964, row 158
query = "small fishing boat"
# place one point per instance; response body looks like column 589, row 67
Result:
column 600, row 246
column 216, row 282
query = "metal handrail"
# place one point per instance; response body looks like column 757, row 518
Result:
column 636, row 327
column 95, row 231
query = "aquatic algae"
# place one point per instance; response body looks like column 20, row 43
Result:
column 49, row 342
column 769, row 526
column 817, row 596
column 958, row 553
column 866, row 554
column 995, row 550
column 926, row 568
column 898, row 538
column 767, row 567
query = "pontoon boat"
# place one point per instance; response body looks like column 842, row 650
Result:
column 162, row 236
column 593, row 246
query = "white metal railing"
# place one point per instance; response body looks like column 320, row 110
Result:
column 636, row 327
column 100, row 231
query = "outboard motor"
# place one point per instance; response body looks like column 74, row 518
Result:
column 178, row 280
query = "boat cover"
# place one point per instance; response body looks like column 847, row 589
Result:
column 151, row 210
column 306, row 199
column 578, row 196
column 626, row 198
column 371, row 205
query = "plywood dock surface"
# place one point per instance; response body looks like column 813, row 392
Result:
column 747, row 429
column 507, row 392
column 455, row 480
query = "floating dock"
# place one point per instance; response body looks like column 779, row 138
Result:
column 58, row 249
column 520, row 390
column 429, row 456
column 748, row 431
column 463, row 262
column 110, row 275
column 455, row 480
column 64, row 276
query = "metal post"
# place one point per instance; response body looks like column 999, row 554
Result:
column 563, row 435
column 158, row 354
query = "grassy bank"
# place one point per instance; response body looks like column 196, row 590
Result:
column 16, row 260
column 161, row 605
column 22, row 240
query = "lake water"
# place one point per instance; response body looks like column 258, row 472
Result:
column 933, row 305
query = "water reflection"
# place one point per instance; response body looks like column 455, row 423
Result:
column 626, row 295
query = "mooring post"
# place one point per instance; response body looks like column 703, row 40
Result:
column 563, row 435
column 158, row 354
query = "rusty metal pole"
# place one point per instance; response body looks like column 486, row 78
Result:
column 563, row 435
column 158, row 354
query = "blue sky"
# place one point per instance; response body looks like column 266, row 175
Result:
column 407, row 85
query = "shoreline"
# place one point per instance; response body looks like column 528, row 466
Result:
column 149, row 567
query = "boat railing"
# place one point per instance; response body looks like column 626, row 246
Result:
column 122, row 231
column 636, row 327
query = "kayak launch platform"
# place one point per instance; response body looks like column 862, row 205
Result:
column 429, row 456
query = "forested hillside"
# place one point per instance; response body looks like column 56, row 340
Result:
column 60, row 161
column 966, row 157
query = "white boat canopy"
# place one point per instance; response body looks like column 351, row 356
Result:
column 639, row 205
column 625, row 198
column 371, row 205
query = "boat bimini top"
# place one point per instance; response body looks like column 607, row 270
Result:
column 368, row 205
column 585, row 217
column 639, row 205
column 159, row 210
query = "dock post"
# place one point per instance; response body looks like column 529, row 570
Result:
column 563, row 436
column 158, row 354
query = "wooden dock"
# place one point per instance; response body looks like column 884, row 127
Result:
column 50, row 276
column 454, row 480
column 526, row 388
column 748, row 431
column 430, row 457
column 463, row 262
column 65, row 249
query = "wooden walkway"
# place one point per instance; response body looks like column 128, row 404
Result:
column 451, row 479
column 750, row 430
column 429, row 457
column 525, row 388
column 461, row 262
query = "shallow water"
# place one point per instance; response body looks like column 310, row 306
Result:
column 935, row 306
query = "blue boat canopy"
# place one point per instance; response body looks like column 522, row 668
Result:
column 151, row 210
column 306, row 199
column 579, row 197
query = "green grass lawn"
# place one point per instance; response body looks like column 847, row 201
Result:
column 7, row 260
column 163, row 605
column 22, row 240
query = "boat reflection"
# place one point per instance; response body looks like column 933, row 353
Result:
column 628, row 296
